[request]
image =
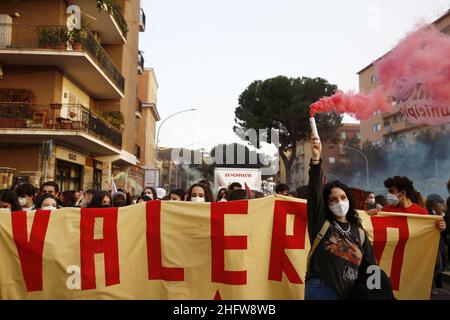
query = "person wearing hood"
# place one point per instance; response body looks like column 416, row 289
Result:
column 340, row 251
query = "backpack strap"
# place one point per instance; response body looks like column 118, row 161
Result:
column 316, row 242
column 362, row 236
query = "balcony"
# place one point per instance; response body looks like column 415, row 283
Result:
column 139, row 107
column 140, row 63
column 73, row 125
column 142, row 21
column 105, row 18
column 78, row 54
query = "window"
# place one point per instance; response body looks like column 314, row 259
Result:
column 376, row 127
column 377, row 143
column 331, row 160
column 344, row 135
column 387, row 123
column 376, row 112
column 373, row 79
column 358, row 135
column 68, row 176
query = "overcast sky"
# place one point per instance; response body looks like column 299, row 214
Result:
column 206, row 52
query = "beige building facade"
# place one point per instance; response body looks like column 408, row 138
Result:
column 69, row 86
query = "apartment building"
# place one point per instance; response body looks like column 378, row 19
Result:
column 69, row 92
column 388, row 128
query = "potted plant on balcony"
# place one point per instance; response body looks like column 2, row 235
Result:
column 46, row 37
column 77, row 39
column 62, row 37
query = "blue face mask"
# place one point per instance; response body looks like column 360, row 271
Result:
column 392, row 199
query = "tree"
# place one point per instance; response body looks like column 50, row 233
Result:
column 282, row 103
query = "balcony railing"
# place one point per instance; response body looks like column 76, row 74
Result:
column 23, row 36
column 19, row 115
column 114, row 10
column 142, row 20
column 141, row 61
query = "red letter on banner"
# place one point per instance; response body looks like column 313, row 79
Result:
column 220, row 242
column 155, row 269
column 108, row 245
column 380, row 225
column 30, row 252
column 279, row 261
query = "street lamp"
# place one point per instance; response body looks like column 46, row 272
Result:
column 367, row 163
column 157, row 138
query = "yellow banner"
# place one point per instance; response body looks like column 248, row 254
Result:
column 254, row 249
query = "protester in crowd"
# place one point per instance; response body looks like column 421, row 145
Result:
column 177, row 195
column 47, row 201
column 238, row 194
column 143, row 199
column 403, row 198
column 51, row 187
column 234, row 186
column 9, row 200
column 380, row 201
column 282, row 189
column 119, row 199
column 221, row 193
column 68, row 199
column 101, row 199
column 26, row 193
column 370, row 202
column 302, row 192
column 259, row 195
column 199, row 193
column 84, row 198
column 206, row 183
column 436, row 206
column 340, row 248
column 150, row 192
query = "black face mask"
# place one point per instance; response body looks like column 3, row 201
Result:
column 104, row 206
column 119, row 204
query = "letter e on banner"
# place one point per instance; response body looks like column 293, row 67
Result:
column 220, row 242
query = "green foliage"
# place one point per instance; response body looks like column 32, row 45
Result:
column 282, row 103
column 53, row 36
column 115, row 11
column 16, row 103
column 115, row 118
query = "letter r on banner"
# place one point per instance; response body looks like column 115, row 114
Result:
column 279, row 261
column 108, row 245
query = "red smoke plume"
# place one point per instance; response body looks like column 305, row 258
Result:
column 423, row 56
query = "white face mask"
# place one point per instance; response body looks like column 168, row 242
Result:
column 51, row 208
column 22, row 202
column 340, row 209
column 197, row 199
column 392, row 199
column 223, row 200
column 371, row 201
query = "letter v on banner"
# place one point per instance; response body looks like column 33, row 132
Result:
column 30, row 251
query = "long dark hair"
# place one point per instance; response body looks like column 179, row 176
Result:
column 98, row 198
column 352, row 215
column 208, row 192
column 10, row 196
column 153, row 190
column 69, row 199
